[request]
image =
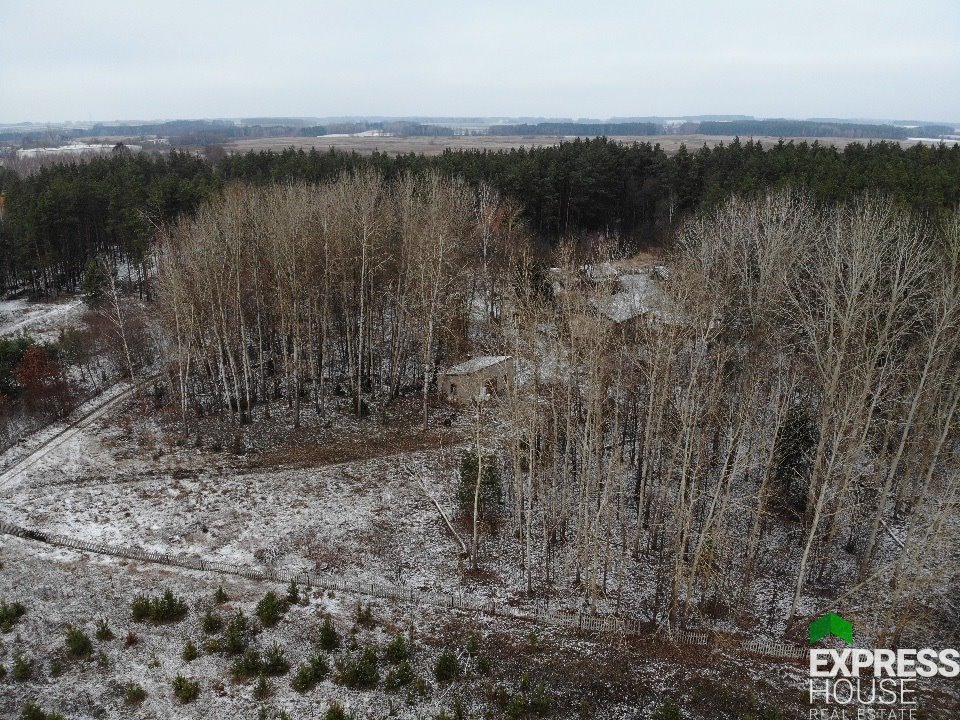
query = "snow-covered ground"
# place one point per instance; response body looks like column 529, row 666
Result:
column 43, row 321
column 61, row 588
column 124, row 478
column 369, row 519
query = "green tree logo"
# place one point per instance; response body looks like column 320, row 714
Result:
column 831, row 624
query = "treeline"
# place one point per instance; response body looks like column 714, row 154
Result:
column 743, row 127
column 60, row 217
column 577, row 129
column 57, row 218
column 180, row 132
column 636, row 190
column 814, row 128
column 183, row 133
column 405, row 128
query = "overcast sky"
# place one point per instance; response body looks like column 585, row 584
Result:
column 104, row 59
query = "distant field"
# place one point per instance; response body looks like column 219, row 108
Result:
column 436, row 145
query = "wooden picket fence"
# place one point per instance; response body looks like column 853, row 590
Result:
column 774, row 648
column 598, row 624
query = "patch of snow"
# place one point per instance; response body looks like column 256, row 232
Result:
column 41, row 320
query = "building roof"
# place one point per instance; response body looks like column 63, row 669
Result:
column 473, row 365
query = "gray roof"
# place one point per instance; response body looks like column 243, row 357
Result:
column 475, row 364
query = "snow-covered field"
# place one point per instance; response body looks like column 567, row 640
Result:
column 126, row 478
column 43, row 321
column 62, row 588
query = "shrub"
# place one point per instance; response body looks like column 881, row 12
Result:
column 56, row 667
column 397, row 649
column 310, row 673
column 420, row 687
column 212, row 645
column 271, row 608
column 517, row 707
column 103, row 633
column 293, row 593
column 527, row 705
column 329, row 637
column 220, row 597
column 252, row 663
column 319, row 665
column 399, row 676
column 262, row 690
column 140, row 608
column 336, row 712
column 212, row 623
column 190, row 652
column 78, row 644
column 32, row 711
column 134, row 694
column 166, row 608
column 364, row 616
column 447, row 668
column 303, row 679
column 275, row 662
column 131, row 639
column 185, row 690
column 10, row 615
column 483, row 665
column 540, row 702
column 490, row 494
column 360, row 670
column 667, row 711
column 237, row 637
column 22, row 668
column 246, row 666
column 42, row 381
column 473, row 645
column 103, row 662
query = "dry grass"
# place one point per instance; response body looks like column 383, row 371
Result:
column 352, row 449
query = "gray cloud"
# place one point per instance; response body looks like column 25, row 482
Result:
column 120, row 60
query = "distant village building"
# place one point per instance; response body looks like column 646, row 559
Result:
column 476, row 378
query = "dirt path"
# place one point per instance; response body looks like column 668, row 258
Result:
column 55, row 435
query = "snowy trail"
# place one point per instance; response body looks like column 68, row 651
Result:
column 55, row 435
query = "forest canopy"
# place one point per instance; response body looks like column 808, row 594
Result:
column 60, row 216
